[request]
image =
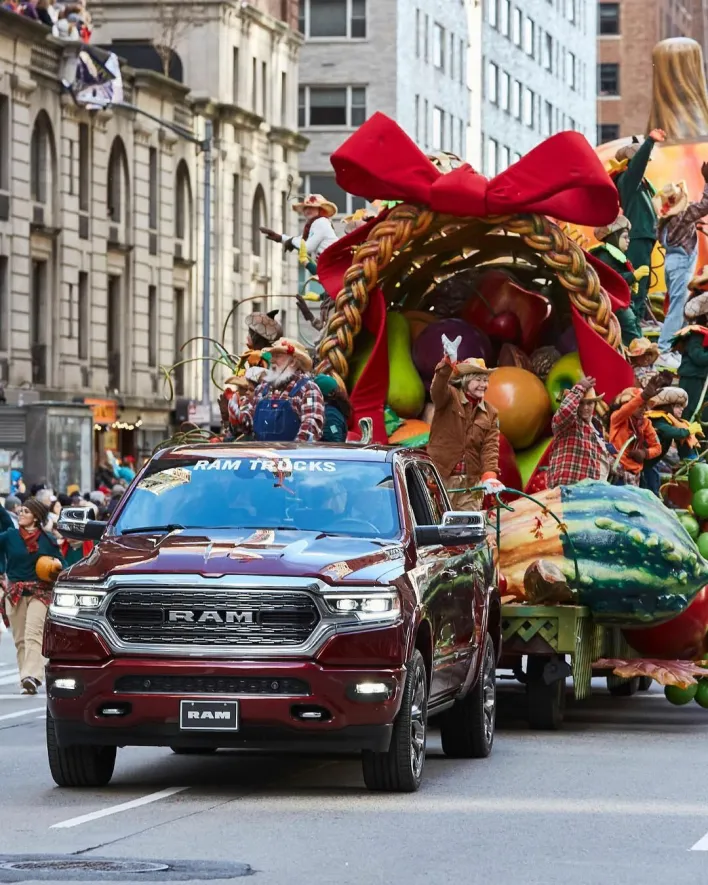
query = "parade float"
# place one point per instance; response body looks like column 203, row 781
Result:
column 494, row 262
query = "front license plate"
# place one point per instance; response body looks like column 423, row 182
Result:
column 208, row 715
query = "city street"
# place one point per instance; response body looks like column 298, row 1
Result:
column 618, row 797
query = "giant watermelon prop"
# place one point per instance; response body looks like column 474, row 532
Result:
column 636, row 564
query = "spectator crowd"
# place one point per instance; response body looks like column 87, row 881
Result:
column 67, row 20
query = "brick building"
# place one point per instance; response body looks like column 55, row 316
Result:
column 628, row 30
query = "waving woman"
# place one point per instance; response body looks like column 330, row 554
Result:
column 27, row 596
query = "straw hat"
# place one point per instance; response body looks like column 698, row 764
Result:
column 671, row 200
column 295, row 350
column 627, row 394
column 697, row 305
column 473, row 366
column 700, row 280
column 643, row 347
column 317, row 201
column 619, row 224
column 670, row 396
column 592, row 396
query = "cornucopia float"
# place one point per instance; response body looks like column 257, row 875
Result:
column 490, row 260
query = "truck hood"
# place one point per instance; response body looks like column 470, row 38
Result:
column 293, row 554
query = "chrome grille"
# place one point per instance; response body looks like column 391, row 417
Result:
column 260, row 618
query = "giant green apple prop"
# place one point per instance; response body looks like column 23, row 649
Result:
column 528, row 460
column 565, row 374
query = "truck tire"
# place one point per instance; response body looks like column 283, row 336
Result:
column 546, row 701
column 467, row 729
column 400, row 770
column 78, row 766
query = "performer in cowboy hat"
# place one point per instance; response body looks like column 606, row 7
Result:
column 631, row 432
column 614, row 243
column 678, row 234
column 287, row 405
column 579, row 450
column 464, row 434
column 642, row 354
column 317, row 235
column 666, row 412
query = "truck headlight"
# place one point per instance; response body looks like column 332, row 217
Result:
column 71, row 602
column 362, row 606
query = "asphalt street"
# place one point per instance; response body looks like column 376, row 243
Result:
column 617, row 797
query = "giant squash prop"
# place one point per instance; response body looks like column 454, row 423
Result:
column 626, row 556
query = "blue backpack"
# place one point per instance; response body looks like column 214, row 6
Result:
column 275, row 420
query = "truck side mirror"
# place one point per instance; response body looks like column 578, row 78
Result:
column 73, row 523
column 449, row 535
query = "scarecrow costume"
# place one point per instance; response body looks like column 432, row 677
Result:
column 677, row 233
column 614, row 242
column 579, row 450
column 691, row 343
column 671, row 430
column 632, row 433
column 286, row 406
column 464, row 434
column 636, row 194
column 642, row 354
column 318, row 233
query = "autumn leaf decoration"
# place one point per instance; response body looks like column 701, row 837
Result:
column 680, row 673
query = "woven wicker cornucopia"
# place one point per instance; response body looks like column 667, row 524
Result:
column 413, row 249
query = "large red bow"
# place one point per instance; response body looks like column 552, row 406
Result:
column 562, row 177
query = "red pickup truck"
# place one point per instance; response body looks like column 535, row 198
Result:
column 283, row 596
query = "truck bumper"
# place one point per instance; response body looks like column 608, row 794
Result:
column 151, row 714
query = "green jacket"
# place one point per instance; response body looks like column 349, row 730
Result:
column 667, row 434
column 694, row 362
column 636, row 193
column 20, row 563
column 609, row 255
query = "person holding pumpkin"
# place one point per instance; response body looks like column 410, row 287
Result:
column 33, row 562
column 691, row 345
column 666, row 414
column 464, row 434
column 678, row 219
column 614, row 243
column 631, row 432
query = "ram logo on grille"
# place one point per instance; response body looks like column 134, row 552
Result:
column 188, row 616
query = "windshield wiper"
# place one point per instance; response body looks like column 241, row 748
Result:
column 170, row 527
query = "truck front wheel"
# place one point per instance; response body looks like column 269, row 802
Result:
column 400, row 770
column 467, row 729
column 78, row 766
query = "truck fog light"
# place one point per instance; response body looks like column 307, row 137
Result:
column 65, row 687
column 65, row 684
column 370, row 691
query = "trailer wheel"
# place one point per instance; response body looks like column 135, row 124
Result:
column 645, row 683
column 546, row 700
column 624, row 688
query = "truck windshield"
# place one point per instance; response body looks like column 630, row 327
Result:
column 301, row 494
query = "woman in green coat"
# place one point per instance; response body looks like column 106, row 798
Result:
column 28, row 597
column 692, row 343
column 614, row 243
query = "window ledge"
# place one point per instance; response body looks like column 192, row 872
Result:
column 326, row 40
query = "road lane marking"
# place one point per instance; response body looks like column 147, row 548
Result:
column 116, row 809
column 8, row 680
column 21, row 713
column 701, row 845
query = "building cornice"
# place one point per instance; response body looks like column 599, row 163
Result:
column 158, row 84
column 287, row 138
column 238, row 116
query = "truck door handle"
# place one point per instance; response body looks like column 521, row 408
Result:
column 468, row 569
column 448, row 574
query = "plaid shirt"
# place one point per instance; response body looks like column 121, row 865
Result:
column 578, row 452
column 680, row 230
column 308, row 403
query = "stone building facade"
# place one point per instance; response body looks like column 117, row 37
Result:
column 538, row 62
column 628, row 30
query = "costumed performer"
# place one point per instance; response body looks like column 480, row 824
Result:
column 678, row 235
column 579, row 450
column 631, row 432
column 666, row 414
column 263, row 330
column 317, row 235
column 642, row 354
column 287, row 405
column 337, row 409
column 464, row 434
column 691, row 343
column 242, row 386
column 635, row 195
column 614, row 243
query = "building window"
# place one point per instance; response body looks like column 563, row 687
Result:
column 504, row 91
column 492, row 157
column 235, row 80
column 254, row 85
column 504, row 16
column 505, row 159
column 608, row 79
column 178, row 330
column 4, row 303
column 492, row 16
column 153, row 185
column 84, row 167
column 570, row 10
column 284, row 117
column 236, row 211
column 570, row 73
column 418, row 41
column 608, row 19
column 152, row 325
column 264, row 89
column 607, row 132
column 451, row 66
column 4, row 143
column 333, row 18
column 183, row 199
column 438, row 128
column 324, row 183
column 463, row 147
column 547, row 49
column 426, row 119
column 492, row 83
column 38, row 303
column 516, row 99
column 438, row 46
column 259, row 219
column 417, row 118
column 547, row 120
column 463, row 62
column 117, row 189
column 528, row 117
column 332, row 106
column 516, row 21
column 84, row 318
column 529, row 37
column 41, row 159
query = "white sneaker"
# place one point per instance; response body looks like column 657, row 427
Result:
column 669, row 360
